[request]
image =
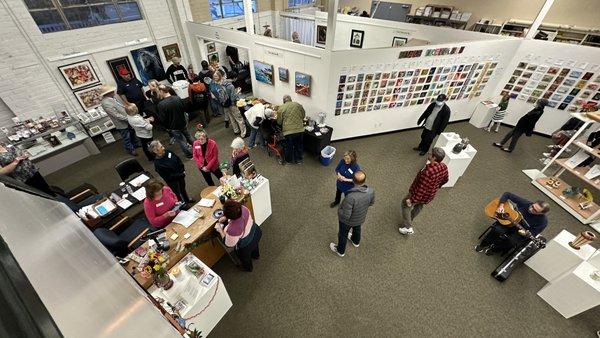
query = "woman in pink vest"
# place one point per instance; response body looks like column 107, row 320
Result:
column 206, row 154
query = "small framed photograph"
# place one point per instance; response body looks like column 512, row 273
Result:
column 109, row 124
column 356, row 38
column 211, row 48
column 95, row 130
column 94, row 115
column 284, row 74
column 83, row 118
column 321, row 34
column 398, row 41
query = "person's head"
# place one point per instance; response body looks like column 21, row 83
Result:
column 204, row 64
column 201, row 136
column 268, row 32
column 237, row 145
column 217, row 77
column 295, row 36
column 154, row 190
column 350, row 157
column 190, row 68
column 157, row 148
column 131, row 109
column 153, row 85
column 541, row 103
column 439, row 101
column 287, row 98
column 505, row 97
column 437, row 155
column 539, row 208
column 164, row 90
column 359, row 177
column 124, row 74
column 232, row 209
column 268, row 113
column 108, row 91
column 176, row 61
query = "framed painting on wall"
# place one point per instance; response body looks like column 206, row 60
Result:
column 398, row 41
column 302, row 84
column 321, row 34
column 211, row 48
column 148, row 63
column 213, row 57
column 171, row 51
column 263, row 72
column 284, row 75
column 89, row 98
column 120, row 67
column 356, row 38
column 79, row 74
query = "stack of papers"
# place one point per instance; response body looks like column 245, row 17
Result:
column 139, row 194
column 138, row 181
column 124, row 203
column 186, row 218
column 207, row 202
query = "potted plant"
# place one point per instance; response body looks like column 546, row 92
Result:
column 156, row 268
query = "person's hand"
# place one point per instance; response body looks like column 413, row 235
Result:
column 21, row 158
column 500, row 209
column 171, row 213
column 219, row 227
column 150, row 119
column 408, row 202
column 523, row 232
column 204, row 169
column 222, row 219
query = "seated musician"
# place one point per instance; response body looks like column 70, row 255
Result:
column 503, row 238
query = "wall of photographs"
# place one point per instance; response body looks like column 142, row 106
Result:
column 564, row 88
column 378, row 90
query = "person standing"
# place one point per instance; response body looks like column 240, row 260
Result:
column 225, row 94
column 117, row 114
column 130, row 89
column 435, row 119
column 296, row 37
column 353, row 212
column 255, row 116
column 142, row 128
column 206, row 156
column 499, row 115
column 171, row 169
column 176, row 71
column 18, row 166
column 423, row 189
column 525, row 125
column 172, row 112
column 345, row 172
column 290, row 116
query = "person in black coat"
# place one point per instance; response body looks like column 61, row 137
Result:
column 171, row 169
column 525, row 125
column 434, row 120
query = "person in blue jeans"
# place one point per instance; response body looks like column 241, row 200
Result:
column 345, row 171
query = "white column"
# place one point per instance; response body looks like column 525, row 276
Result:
column 331, row 22
column 538, row 19
column 248, row 17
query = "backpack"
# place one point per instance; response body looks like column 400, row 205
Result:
column 198, row 93
column 223, row 96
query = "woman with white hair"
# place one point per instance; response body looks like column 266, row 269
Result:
column 238, row 154
column 206, row 155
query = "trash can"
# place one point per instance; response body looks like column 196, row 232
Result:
column 327, row 154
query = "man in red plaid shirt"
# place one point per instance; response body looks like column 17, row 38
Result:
column 423, row 189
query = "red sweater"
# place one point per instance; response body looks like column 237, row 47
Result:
column 212, row 155
column 427, row 183
column 155, row 210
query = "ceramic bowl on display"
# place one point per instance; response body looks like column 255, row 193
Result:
column 218, row 213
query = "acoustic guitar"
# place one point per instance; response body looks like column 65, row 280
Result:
column 510, row 217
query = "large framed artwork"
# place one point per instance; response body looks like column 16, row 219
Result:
column 263, row 72
column 171, row 51
column 79, row 74
column 302, row 84
column 147, row 61
column 89, row 98
column 321, row 34
column 356, row 38
column 120, row 67
column 398, row 41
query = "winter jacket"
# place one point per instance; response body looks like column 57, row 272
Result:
column 354, row 207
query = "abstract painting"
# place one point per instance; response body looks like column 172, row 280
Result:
column 89, row 98
column 79, row 74
column 148, row 64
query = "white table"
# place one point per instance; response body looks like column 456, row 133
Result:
column 483, row 114
column 558, row 256
column 573, row 292
column 213, row 299
column 457, row 163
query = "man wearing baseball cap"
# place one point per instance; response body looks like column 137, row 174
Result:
column 434, row 119
column 130, row 89
column 118, row 115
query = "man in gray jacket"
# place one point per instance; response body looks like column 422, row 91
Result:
column 118, row 116
column 352, row 213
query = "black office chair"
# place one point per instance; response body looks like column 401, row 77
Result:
column 121, row 243
column 128, row 168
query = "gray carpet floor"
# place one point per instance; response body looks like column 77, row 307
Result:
column 431, row 283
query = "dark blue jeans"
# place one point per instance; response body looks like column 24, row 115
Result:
column 294, row 147
column 253, row 137
column 183, row 138
column 130, row 141
column 343, row 236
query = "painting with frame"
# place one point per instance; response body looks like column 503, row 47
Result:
column 171, row 51
column 356, row 38
column 118, row 66
column 79, row 74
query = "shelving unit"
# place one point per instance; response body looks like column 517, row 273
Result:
column 437, row 15
column 486, row 28
column 514, row 28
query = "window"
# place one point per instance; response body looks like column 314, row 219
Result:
column 220, row 9
column 295, row 3
column 59, row 15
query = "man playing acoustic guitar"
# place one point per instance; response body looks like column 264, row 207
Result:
column 502, row 238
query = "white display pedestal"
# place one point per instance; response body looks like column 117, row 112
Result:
column 181, row 88
column 457, row 163
column 574, row 292
column 261, row 200
column 483, row 114
column 595, row 260
column 212, row 299
column 558, row 256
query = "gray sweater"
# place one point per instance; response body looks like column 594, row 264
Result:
column 353, row 209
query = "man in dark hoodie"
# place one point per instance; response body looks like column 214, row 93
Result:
column 171, row 111
column 434, row 119
column 525, row 125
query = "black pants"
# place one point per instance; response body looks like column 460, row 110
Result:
column 513, row 135
column 145, row 143
column 427, row 137
column 294, row 147
column 502, row 238
column 208, row 177
column 37, row 181
column 338, row 196
column 250, row 251
column 343, row 236
column 178, row 187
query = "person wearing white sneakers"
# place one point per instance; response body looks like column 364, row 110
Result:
column 353, row 212
column 423, row 189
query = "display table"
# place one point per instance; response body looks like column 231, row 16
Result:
column 201, row 304
column 258, row 201
column 457, row 163
column 558, row 256
column 313, row 143
column 483, row 114
column 573, row 292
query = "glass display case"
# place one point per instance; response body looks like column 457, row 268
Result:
column 40, row 145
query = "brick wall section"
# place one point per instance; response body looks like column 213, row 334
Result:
column 31, row 85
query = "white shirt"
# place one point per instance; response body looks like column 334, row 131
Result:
column 258, row 110
column 431, row 119
column 142, row 128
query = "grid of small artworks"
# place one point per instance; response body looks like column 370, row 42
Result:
column 564, row 88
column 366, row 92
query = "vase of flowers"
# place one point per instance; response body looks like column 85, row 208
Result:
column 156, row 268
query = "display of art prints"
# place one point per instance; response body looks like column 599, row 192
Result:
column 120, row 67
column 171, row 51
column 263, row 72
column 79, row 74
column 302, row 83
column 89, row 98
column 148, row 63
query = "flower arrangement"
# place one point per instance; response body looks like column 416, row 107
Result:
column 156, row 266
column 229, row 191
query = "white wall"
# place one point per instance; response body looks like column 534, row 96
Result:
column 31, row 83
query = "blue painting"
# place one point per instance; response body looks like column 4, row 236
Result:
column 147, row 61
column 263, row 72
